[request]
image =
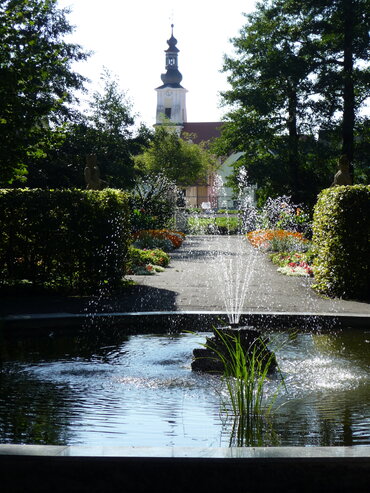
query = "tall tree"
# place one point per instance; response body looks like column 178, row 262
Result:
column 299, row 67
column 337, row 32
column 36, row 80
column 115, row 139
column 269, row 88
column 181, row 161
column 107, row 130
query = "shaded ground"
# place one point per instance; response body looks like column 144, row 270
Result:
column 206, row 273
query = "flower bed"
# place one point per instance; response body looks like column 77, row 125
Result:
column 144, row 262
column 293, row 264
column 148, row 236
column 291, row 257
column 263, row 237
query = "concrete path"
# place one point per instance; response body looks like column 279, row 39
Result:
column 205, row 274
column 209, row 270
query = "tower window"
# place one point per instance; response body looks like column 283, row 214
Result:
column 170, row 60
column 167, row 112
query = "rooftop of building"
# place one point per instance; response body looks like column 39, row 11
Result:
column 202, row 131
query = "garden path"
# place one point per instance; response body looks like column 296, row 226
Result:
column 194, row 281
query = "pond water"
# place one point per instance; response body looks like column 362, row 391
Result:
column 139, row 390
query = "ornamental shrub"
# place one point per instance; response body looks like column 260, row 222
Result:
column 75, row 240
column 341, row 237
column 144, row 257
column 152, row 202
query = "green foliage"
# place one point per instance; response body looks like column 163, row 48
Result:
column 286, row 244
column 180, row 161
column 282, row 213
column 292, row 77
column 294, row 263
column 214, row 225
column 362, row 152
column 106, row 131
column 283, row 259
column 36, row 80
column 142, row 220
column 228, row 211
column 69, row 240
column 150, row 242
column 339, row 52
column 245, row 376
column 141, row 258
column 153, row 201
column 341, row 237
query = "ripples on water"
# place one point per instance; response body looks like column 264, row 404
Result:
column 140, row 390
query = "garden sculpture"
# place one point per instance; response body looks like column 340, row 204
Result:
column 342, row 177
column 92, row 174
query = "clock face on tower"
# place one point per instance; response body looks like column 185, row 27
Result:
column 168, row 93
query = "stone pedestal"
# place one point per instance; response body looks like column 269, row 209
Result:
column 209, row 359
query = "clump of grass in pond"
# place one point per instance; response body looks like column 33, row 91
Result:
column 245, row 375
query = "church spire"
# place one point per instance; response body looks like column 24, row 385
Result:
column 171, row 95
column 172, row 77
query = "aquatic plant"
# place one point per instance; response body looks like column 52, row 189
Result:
column 245, row 375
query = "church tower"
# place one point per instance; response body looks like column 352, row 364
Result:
column 171, row 96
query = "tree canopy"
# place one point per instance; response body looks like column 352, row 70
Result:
column 37, row 82
column 181, row 161
column 299, row 68
column 107, row 129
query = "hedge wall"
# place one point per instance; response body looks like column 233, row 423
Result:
column 70, row 239
column 341, row 235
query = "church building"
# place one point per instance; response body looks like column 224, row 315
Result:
column 171, row 109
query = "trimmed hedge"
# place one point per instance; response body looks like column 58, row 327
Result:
column 75, row 240
column 341, row 236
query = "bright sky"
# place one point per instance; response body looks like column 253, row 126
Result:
column 128, row 37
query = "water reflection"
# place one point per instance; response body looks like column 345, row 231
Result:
column 328, row 401
column 114, row 389
column 33, row 413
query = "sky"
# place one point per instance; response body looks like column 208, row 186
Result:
column 129, row 37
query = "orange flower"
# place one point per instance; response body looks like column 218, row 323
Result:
column 175, row 237
column 261, row 237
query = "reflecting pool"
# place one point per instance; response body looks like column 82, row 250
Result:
column 138, row 390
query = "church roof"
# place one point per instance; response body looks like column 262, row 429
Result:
column 204, row 131
column 172, row 42
column 173, row 85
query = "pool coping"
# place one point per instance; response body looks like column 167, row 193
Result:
column 355, row 451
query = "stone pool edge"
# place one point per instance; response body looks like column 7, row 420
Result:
column 46, row 469
column 355, row 451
